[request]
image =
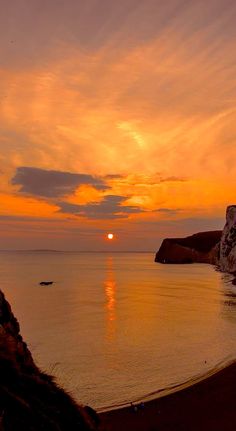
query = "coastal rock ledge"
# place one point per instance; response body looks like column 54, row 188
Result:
column 214, row 247
column 201, row 247
column 29, row 399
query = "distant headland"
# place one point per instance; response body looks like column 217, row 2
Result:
column 214, row 247
column 195, row 248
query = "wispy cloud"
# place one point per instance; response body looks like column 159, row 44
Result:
column 168, row 211
column 172, row 179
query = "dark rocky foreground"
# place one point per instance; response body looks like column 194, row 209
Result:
column 200, row 247
column 29, row 398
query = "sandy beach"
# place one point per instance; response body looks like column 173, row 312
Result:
column 208, row 405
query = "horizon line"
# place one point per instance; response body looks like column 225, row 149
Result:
column 77, row 251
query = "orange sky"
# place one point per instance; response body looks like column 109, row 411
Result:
column 115, row 117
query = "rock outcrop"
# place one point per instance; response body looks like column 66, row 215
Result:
column 216, row 247
column 227, row 253
column 29, row 398
column 201, row 247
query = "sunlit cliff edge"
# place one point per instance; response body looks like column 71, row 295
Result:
column 29, row 399
column 216, row 247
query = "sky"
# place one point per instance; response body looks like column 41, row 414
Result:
column 115, row 117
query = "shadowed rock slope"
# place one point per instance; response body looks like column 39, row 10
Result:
column 29, row 398
column 201, row 247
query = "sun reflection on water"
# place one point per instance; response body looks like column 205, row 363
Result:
column 110, row 290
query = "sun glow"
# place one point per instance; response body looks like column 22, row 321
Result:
column 110, row 236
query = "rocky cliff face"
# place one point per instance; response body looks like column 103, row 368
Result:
column 227, row 254
column 218, row 248
column 29, row 399
column 201, row 247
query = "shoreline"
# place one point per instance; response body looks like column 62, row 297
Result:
column 203, row 405
column 168, row 390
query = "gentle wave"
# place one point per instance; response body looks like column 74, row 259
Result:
column 170, row 389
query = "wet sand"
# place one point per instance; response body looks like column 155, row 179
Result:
column 208, row 405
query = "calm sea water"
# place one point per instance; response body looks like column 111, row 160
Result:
column 115, row 327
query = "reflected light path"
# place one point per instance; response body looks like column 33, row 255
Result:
column 110, row 291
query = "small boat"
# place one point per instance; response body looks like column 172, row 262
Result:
column 45, row 283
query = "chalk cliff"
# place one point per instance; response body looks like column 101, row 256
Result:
column 29, row 398
column 227, row 253
column 201, row 247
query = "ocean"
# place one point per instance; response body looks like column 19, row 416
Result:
column 117, row 327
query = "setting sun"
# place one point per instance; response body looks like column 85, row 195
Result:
column 110, row 236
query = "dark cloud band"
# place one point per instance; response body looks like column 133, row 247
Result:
column 53, row 184
column 109, row 208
